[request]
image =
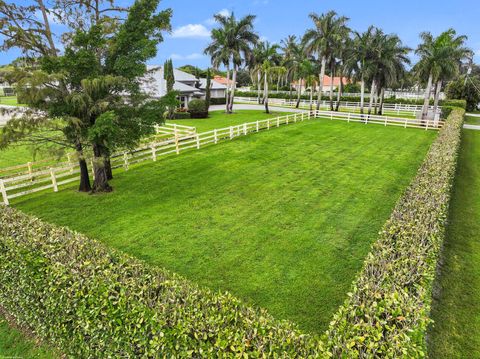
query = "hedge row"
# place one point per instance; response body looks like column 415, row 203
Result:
column 90, row 301
column 457, row 103
column 387, row 312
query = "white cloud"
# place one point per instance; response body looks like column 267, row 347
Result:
column 224, row 12
column 193, row 56
column 191, row 30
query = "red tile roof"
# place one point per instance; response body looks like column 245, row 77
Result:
column 222, row 80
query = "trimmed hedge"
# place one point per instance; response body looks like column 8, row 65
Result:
column 91, row 301
column 455, row 103
column 181, row 115
column 218, row 101
column 198, row 108
column 387, row 312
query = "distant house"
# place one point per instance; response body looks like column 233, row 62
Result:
column 327, row 81
column 186, row 84
column 222, row 80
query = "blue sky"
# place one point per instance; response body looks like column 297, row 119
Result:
column 192, row 20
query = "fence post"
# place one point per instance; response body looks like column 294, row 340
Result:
column 257, row 126
column 30, row 170
column 268, row 124
column 348, row 119
column 3, row 191
column 177, row 147
column 125, row 161
column 426, row 127
column 54, row 180
column 406, row 119
column 215, row 135
column 154, row 152
column 69, row 157
column 231, row 132
column 198, row 141
column 295, row 118
column 386, row 119
column 278, row 121
column 245, row 128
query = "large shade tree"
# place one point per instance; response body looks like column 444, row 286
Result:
column 91, row 88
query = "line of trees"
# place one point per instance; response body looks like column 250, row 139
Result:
column 373, row 59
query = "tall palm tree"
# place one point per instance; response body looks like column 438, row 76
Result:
column 440, row 59
column 321, row 40
column 358, row 61
column 289, row 46
column 233, row 39
column 270, row 66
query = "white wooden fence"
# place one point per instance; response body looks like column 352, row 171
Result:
column 67, row 172
column 174, row 129
column 392, row 108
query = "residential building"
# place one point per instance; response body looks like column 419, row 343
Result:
column 186, row 84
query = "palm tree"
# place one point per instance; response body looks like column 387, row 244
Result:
column 440, row 60
column 308, row 75
column 231, row 44
column 321, row 40
column 289, row 46
column 358, row 61
column 270, row 66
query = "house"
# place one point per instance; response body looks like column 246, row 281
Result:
column 222, row 80
column 327, row 82
column 186, row 84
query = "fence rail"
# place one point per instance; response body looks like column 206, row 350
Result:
column 404, row 109
column 51, row 178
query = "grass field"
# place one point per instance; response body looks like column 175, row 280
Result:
column 219, row 119
column 9, row 100
column 14, row 344
column 456, row 310
column 282, row 219
column 472, row 120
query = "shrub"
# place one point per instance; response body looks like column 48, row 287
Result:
column 218, row 101
column 91, row 301
column 181, row 115
column 387, row 312
column 459, row 89
column 455, row 103
column 198, row 108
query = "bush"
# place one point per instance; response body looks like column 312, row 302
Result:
column 387, row 312
column 181, row 115
column 455, row 103
column 459, row 89
column 198, row 108
column 90, row 301
column 218, row 101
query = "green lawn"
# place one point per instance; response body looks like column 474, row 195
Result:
column 456, row 310
column 472, row 120
column 282, row 219
column 219, row 119
column 9, row 100
column 14, row 344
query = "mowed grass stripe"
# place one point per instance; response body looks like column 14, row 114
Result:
column 282, row 219
column 456, row 308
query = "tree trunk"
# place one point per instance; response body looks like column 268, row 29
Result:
column 108, row 167
column 228, row 89
column 339, row 93
column 320, row 84
column 382, row 97
column 311, row 97
column 84, row 179
column 265, row 91
column 100, row 184
column 437, row 99
column 362, row 95
column 372, row 91
column 426, row 101
column 259, row 84
column 298, row 95
column 332, row 73
column 234, row 85
column 375, row 103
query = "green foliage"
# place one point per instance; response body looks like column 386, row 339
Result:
column 91, row 301
column 388, row 310
column 182, row 115
column 198, row 108
column 168, row 75
column 218, row 101
column 455, row 103
column 352, row 88
column 469, row 91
